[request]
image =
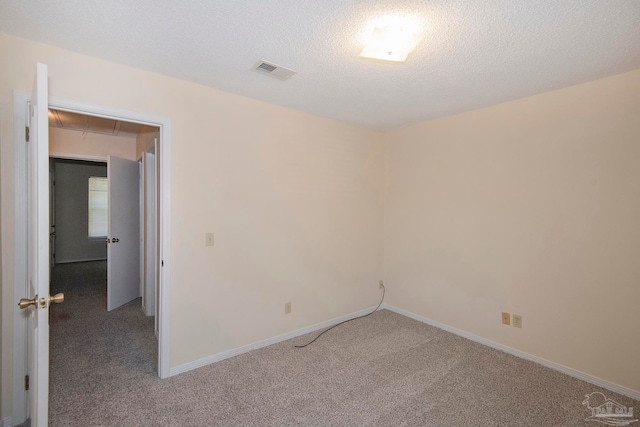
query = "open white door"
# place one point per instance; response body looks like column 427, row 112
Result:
column 150, row 233
column 38, row 251
column 123, row 242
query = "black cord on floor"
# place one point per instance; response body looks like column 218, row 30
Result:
column 384, row 290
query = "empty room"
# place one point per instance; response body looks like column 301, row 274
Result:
column 377, row 212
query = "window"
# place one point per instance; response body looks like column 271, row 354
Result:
column 97, row 206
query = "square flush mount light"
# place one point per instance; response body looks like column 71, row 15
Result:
column 390, row 43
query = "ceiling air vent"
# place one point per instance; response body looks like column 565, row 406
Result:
column 273, row 70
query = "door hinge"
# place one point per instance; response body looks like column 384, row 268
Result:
column 26, row 133
column 26, row 382
column 162, row 263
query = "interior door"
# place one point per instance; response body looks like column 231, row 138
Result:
column 123, row 242
column 150, row 233
column 38, row 250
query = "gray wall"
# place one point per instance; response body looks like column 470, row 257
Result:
column 72, row 213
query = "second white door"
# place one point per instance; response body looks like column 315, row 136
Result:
column 123, row 247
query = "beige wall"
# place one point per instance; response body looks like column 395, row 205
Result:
column 145, row 139
column 73, row 142
column 295, row 202
column 529, row 207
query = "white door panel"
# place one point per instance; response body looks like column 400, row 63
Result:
column 38, row 249
column 150, row 233
column 123, row 250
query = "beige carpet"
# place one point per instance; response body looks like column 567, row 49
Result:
column 383, row 370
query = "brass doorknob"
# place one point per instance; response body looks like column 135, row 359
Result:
column 57, row 298
column 26, row 302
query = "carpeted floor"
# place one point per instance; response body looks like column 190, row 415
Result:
column 383, row 370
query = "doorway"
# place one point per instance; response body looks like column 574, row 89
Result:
column 21, row 109
column 98, row 203
column 102, row 329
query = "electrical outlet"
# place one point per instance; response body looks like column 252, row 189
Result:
column 209, row 239
column 506, row 318
column 517, row 321
column 287, row 307
column 381, row 286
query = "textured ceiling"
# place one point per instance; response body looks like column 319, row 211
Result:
column 80, row 122
column 475, row 52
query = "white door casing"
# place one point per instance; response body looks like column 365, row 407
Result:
column 52, row 216
column 160, row 187
column 163, row 174
column 141, row 212
column 123, row 219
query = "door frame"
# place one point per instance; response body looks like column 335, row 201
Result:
column 20, row 117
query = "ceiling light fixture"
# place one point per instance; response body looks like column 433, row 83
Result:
column 392, row 40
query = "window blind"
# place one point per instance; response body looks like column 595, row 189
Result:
column 98, row 206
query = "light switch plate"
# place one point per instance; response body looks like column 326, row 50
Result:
column 209, row 239
column 517, row 321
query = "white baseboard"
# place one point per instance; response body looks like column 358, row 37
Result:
column 6, row 422
column 634, row 394
column 264, row 343
column 69, row 261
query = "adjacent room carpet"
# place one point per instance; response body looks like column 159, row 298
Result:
column 382, row 370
